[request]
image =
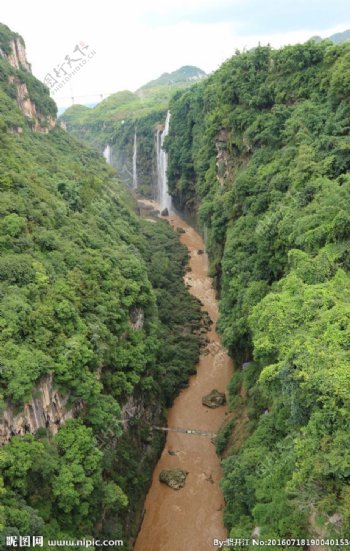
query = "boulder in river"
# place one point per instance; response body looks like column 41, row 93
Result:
column 165, row 212
column 174, row 478
column 214, row 399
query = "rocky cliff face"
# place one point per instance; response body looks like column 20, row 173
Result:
column 224, row 164
column 137, row 318
column 145, row 446
column 15, row 54
column 28, row 108
column 122, row 157
column 135, row 408
column 17, row 58
column 47, row 409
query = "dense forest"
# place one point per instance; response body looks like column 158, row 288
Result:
column 92, row 296
column 261, row 151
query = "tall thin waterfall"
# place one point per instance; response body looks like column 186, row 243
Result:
column 162, row 165
column 107, row 153
column 134, row 161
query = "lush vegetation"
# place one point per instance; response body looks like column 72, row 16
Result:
column 6, row 37
column 180, row 78
column 99, row 125
column 261, row 149
column 11, row 79
column 93, row 296
column 116, row 119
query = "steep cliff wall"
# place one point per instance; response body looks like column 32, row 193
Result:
column 119, row 138
column 115, row 121
column 260, row 152
column 16, row 70
column 47, row 409
column 146, row 160
column 17, row 58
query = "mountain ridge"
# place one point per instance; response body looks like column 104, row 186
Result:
column 186, row 73
column 159, row 89
column 336, row 38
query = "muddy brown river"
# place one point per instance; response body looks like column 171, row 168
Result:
column 190, row 518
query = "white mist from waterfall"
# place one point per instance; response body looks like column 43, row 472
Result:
column 107, row 153
column 162, row 165
column 134, row 161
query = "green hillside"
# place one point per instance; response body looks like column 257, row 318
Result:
column 261, row 151
column 85, row 289
column 99, row 124
column 92, row 296
column 180, row 77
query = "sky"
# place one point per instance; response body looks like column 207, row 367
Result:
column 130, row 42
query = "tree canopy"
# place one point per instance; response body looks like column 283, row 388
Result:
column 261, row 152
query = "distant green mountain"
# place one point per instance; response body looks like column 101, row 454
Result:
column 153, row 96
column 184, row 75
column 337, row 38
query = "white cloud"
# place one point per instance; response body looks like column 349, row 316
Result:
column 135, row 41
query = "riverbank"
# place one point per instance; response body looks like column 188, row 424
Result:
column 193, row 516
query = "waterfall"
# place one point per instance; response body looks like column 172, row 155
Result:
column 134, row 160
column 162, row 165
column 107, row 153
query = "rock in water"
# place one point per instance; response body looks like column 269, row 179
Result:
column 174, row 478
column 165, row 212
column 214, row 399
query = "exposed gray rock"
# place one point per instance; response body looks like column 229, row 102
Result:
column 214, row 399
column 137, row 317
column 47, row 409
column 174, row 478
column 17, row 58
column 165, row 212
